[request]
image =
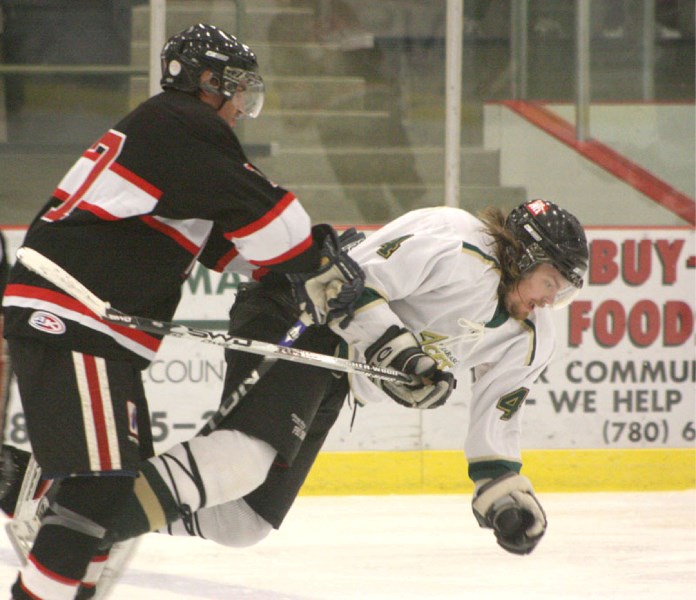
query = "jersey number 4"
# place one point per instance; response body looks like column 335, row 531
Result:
column 511, row 403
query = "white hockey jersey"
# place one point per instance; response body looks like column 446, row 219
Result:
column 433, row 271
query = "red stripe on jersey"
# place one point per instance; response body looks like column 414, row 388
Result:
column 26, row 591
column 51, row 574
column 292, row 253
column 39, row 293
column 259, row 273
column 136, row 180
column 272, row 214
column 172, row 233
column 99, row 212
column 97, row 405
column 226, row 259
column 100, row 558
column 62, row 195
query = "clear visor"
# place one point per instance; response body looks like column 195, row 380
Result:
column 246, row 91
column 565, row 295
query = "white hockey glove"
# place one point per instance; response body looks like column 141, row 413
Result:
column 399, row 349
column 508, row 505
column 330, row 292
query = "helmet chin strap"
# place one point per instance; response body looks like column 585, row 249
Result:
column 224, row 100
column 211, row 89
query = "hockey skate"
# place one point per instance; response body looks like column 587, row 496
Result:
column 30, row 507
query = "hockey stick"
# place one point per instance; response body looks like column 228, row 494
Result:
column 43, row 266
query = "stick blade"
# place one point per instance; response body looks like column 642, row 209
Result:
column 50, row 271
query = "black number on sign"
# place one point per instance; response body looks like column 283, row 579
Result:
column 18, row 431
column 160, row 429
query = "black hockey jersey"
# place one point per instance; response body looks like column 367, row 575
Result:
column 168, row 185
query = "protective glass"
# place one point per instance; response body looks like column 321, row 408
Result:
column 246, row 90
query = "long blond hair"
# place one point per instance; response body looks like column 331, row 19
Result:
column 506, row 248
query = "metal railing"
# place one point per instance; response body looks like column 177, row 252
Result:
column 583, row 96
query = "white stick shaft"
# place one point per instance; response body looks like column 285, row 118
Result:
column 45, row 267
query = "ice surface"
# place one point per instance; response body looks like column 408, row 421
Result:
column 612, row 546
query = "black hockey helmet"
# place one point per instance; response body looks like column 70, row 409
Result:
column 552, row 235
column 204, row 47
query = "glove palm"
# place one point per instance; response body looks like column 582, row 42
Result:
column 331, row 292
column 398, row 348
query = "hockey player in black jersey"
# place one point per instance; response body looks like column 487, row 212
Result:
column 168, row 185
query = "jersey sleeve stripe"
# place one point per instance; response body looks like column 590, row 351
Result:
column 98, row 211
column 269, row 217
column 259, row 273
column 232, row 262
column 226, row 259
column 477, row 252
column 292, row 253
column 278, row 239
column 137, row 181
column 62, row 195
column 190, row 234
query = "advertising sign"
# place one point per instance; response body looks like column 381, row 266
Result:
column 624, row 374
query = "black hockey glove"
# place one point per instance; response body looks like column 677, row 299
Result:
column 508, row 506
column 399, row 349
column 330, row 292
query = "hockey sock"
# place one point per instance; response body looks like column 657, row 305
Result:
column 150, row 507
column 204, row 471
column 233, row 524
column 216, row 468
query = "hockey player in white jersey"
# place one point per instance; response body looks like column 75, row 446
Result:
column 445, row 292
column 477, row 293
